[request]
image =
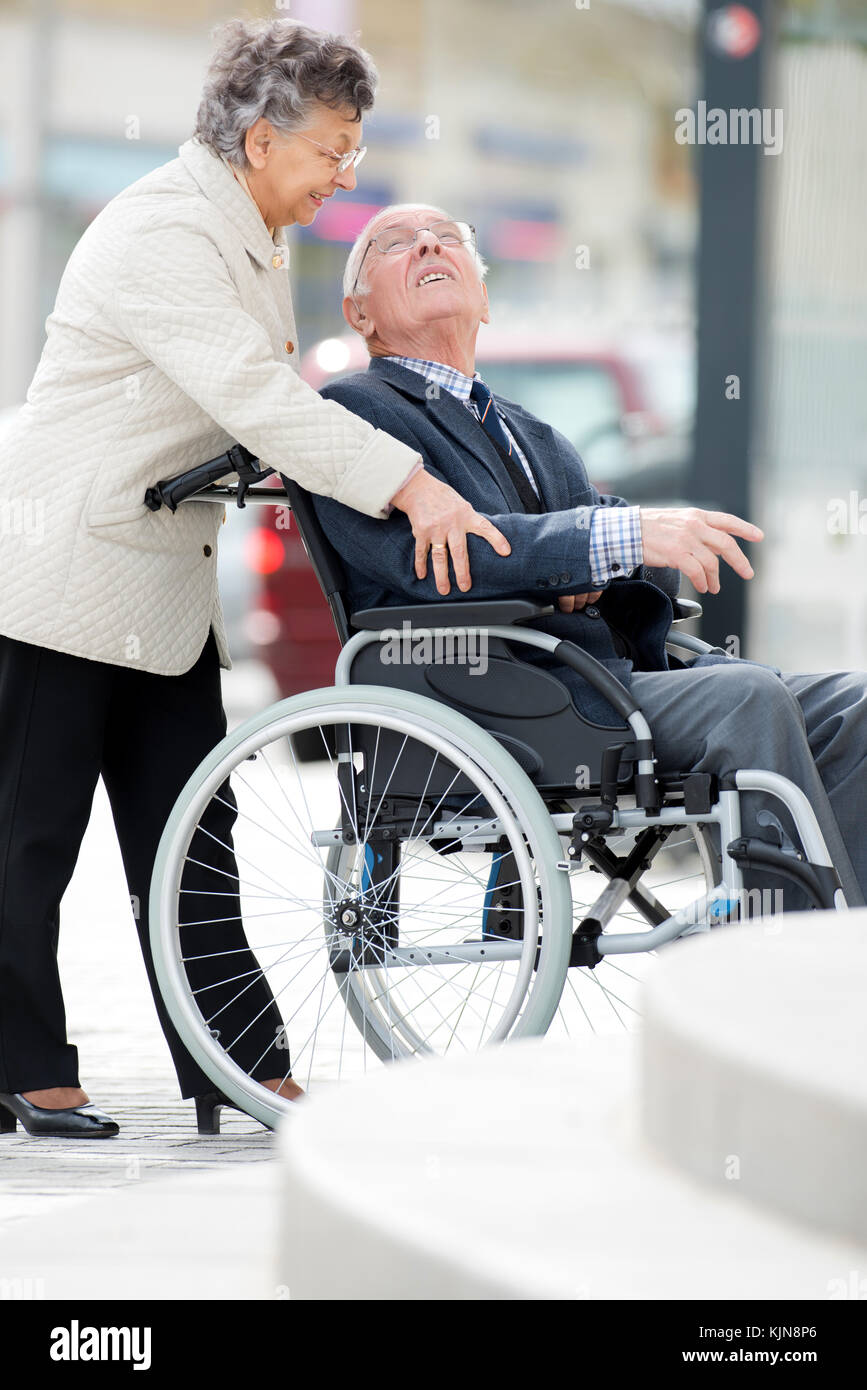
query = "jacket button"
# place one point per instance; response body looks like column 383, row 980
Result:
column 543, row 583
column 277, row 260
column 552, row 579
column 206, row 550
column 289, row 345
column 591, row 612
column 564, row 578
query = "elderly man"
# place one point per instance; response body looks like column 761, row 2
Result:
column 414, row 289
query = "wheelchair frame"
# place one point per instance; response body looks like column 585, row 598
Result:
column 725, row 813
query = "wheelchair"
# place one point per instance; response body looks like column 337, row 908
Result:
column 438, row 853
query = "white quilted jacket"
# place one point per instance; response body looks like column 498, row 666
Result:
column 172, row 337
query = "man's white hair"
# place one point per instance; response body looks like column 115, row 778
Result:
column 359, row 246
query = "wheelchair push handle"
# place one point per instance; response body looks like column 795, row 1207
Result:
column 172, row 491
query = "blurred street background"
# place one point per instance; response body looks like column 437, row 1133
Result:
column 693, row 316
column 632, row 277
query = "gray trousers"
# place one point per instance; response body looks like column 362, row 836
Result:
column 809, row 728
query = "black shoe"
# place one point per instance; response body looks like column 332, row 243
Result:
column 79, row 1122
column 208, row 1111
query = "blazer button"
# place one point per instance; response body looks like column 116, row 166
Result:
column 552, row 579
column 564, row 578
column 206, row 550
column 289, row 345
column 543, row 583
column 591, row 612
column 277, row 260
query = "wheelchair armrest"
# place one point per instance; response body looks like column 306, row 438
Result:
column 688, row 643
column 685, row 608
column 486, row 613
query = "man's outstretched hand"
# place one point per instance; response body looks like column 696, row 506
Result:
column 692, row 541
column 441, row 521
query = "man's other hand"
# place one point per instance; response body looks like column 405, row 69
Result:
column 692, row 540
column 441, row 521
column 571, row 603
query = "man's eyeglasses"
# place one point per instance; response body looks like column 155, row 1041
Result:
column 394, row 239
column 343, row 161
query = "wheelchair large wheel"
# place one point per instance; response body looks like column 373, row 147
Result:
column 316, row 915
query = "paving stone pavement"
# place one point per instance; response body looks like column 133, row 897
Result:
column 125, row 1068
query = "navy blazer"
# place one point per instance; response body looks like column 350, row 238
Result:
column 627, row 627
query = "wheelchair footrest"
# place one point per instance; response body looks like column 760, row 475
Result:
column 819, row 881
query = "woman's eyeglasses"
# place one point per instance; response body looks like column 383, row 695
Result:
column 342, row 161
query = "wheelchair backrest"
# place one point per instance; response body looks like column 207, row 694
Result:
column 327, row 564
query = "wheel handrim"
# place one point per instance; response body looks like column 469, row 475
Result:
column 502, row 1015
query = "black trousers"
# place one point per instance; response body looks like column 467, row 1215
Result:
column 64, row 721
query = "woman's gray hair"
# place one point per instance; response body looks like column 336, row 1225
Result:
column 278, row 69
column 359, row 246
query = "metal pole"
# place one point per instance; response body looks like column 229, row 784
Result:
column 728, row 291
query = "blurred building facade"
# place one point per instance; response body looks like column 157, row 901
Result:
column 551, row 128
column 546, row 126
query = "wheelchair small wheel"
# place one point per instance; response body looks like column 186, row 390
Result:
column 680, row 865
column 321, row 915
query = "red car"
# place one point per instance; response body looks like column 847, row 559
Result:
column 597, row 397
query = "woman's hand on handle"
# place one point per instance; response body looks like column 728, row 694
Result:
column 441, row 521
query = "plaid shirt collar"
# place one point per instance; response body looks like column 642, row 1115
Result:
column 447, row 377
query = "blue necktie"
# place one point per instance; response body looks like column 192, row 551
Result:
column 490, row 420
column 493, row 426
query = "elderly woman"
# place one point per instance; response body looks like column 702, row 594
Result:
column 172, row 337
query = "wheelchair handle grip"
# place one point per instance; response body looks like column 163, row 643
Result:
column 172, row 491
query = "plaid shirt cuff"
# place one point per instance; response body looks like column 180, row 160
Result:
column 615, row 543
